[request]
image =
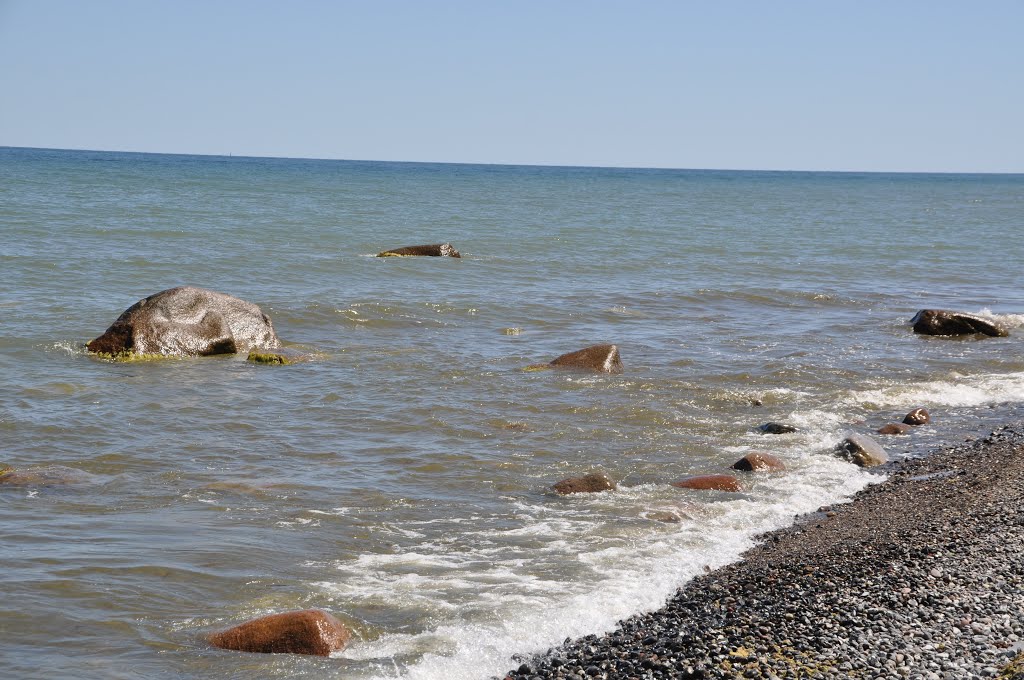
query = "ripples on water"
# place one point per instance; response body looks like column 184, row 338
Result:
column 400, row 480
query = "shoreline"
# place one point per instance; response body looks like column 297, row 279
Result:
column 919, row 576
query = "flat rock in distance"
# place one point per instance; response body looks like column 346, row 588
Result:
column 945, row 322
column 432, row 250
column 601, row 358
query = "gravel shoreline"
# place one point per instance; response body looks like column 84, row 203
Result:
column 921, row 576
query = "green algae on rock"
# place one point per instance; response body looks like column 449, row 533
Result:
column 270, row 358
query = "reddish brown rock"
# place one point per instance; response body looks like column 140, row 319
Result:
column 433, row 250
column 709, row 483
column 602, row 358
column 944, row 322
column 187, row 321
column 757, row 461
column 918, row 416
column 894, row 428
column 309, row 631
column 592, row 483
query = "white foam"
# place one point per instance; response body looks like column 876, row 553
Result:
column 958, row 390
column 575, row 574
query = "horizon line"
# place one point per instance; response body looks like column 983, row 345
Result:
column 512, row 165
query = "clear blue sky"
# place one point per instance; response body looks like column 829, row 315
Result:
column 818, row 84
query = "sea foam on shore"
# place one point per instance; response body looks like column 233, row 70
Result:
column 921, row 576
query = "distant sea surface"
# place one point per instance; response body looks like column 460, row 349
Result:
column 401, row 480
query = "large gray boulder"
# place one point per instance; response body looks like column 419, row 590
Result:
column 187, row 321
column 944, row 322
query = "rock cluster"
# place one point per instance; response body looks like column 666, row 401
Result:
column 920, row 576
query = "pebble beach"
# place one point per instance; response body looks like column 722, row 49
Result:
column 919, row 576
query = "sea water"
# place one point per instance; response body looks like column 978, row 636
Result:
column 401, row 479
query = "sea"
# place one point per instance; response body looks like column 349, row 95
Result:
column 400, row 478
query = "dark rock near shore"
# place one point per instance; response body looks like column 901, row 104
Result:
column 592, row 483
column 862, row 450
column 601, row 358
column 920, row 577
column 309, row 631
column 709, row 483
column 918, row 416
column 776, row 428
column 433, row 250
column 943, row 322
column 757, row 461
column 894, row 428
column 187, row 321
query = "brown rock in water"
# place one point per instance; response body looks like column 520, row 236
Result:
column 44, row 475
column 187, row 321
column 309, row 631
column 591, row 483
column 861, row 450
column 894, row 428
column 709, row 483
column 433, row 250
column 918, row 416
column 602, row 358
column 757, row 461
column 943, row 322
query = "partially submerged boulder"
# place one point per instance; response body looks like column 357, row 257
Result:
column 187, row 321
column 309, row 631
column 919, row 416
column 433, row 250
column 601, row 358
column 862, row 450
column 776, row 428
column 894, row 428
column 944, row 322
column 709, row 483
column 757, row 461
column 592, row 483
column 43, row 476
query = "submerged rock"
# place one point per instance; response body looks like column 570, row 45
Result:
column 757, row 461
column 776, row 428
column 592, row 483
column 433, row 250
column 918, row 416
column 709, row 483
column 862, row 450
column 944, row 322
column 43, row 475
column 309, row 631
column 602, row 358
column 187, row 321
column 894, row 428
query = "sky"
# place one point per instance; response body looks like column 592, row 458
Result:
column 892, row 85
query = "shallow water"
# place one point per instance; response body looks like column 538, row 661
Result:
column 401, row 479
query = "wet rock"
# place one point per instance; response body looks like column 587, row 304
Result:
column 309, row 631
column 433, row 250
column 757, row 461
column 43, row 475
column 592, row 483
column 862, row 450
column 918, row 416
column 943, row 322
column 602, row 358
column 664, row 516
column 187, row 321
column 894, row 428
column 709, row 483
column 776, row 428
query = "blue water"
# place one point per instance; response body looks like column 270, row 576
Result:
column 401, row 479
